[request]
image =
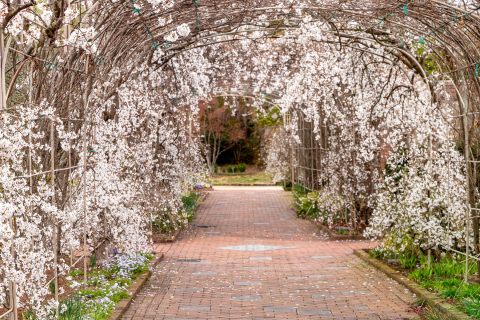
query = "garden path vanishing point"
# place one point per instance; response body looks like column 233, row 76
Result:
column 247, row 256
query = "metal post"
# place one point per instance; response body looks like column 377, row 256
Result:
column 85, row 244
column 467, row 181
column 13, row 285
column 56, row 233
column 4, row 47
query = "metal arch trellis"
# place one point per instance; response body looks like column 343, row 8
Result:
column 306, row 169
column 78, row 256
column 307, row 154
column 306, row 157
column 50, row 174
column 13, row 309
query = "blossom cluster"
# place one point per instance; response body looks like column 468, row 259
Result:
column 99, row 132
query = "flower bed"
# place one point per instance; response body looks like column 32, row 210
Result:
column 106, row 286
column 443, row 277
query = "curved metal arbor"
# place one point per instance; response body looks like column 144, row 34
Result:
column 128, row 33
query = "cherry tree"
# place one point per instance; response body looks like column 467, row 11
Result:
column 100, row 119
column 220, row 129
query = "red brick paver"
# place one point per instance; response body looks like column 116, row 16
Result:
column 248, row 257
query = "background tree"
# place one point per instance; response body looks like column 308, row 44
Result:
column 220, row 128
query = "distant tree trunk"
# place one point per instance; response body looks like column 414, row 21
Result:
column 211, row 166
column 214, row 149
column 221, row 130
column 237, row 153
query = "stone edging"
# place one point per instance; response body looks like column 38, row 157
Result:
column 133, row 290
column 432, row 300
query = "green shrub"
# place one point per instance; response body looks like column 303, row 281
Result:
column 242, row 167
column 236, row 168
column 342, row 232
column 190, row 203
column 287, row 186
column 306, row 203
column 299, row 190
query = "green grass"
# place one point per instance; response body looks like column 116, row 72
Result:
column 444, row 277
column 241, row 179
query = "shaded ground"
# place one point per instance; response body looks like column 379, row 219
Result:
column 249, row 257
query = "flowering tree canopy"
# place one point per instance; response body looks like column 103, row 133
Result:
column 99, row 129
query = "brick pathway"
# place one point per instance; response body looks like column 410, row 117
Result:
column 249, row 257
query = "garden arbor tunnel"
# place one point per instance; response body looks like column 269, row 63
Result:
column 99, row 106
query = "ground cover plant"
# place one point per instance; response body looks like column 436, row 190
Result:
column 107, row 285
column 444, row 276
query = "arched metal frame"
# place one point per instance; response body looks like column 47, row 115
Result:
column 126, row 34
